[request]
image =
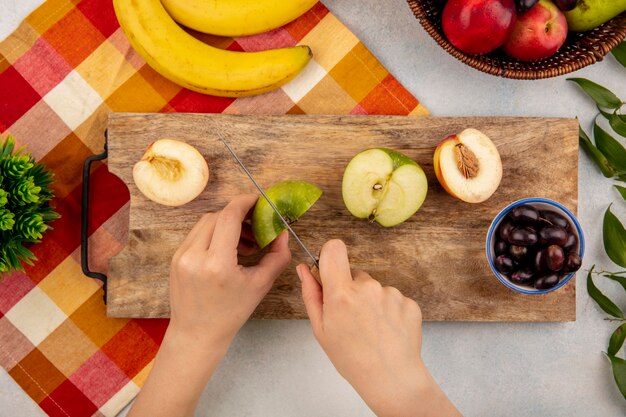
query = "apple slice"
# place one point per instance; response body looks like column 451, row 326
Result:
column 468, row 166
column 384, row 186
column 171, row 172
column 292, row 199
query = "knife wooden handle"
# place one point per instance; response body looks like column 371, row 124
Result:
column 316, row 273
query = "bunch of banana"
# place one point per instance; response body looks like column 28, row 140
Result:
column 193, row 64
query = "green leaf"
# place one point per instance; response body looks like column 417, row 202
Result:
column 25, row 190
column 618, row 124
column 617, row 121
column 7, row 219
column 610, row 148
column 614, row 238
column 602, row 300
column 617, row 340
column 619, row 52
column 619, row 373
column 601, row 95
column 606, row 115
column 618, row 279
column 596, row 156
column 621, row 190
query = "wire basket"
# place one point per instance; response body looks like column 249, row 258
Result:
column 578, row 51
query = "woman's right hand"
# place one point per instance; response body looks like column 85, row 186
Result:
column 373, row 336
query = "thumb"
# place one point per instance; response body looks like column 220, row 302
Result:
column 312, row 296
column 276, row 260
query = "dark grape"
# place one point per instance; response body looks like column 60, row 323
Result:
column 523, row 236
column 505, row 229
column 523, row 5
column 565, row 5
column 547, row 281
column 501, row 247
column 504, row 264
column 554, row 218
column 572, row 263
column 555, row 258
column 540, row 261
column 524, row 214
column 553, row 235
column 536, row 247
column 571, row 242
column 523, row 276
column 518, row 253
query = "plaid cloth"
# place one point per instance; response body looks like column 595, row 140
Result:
column 61, row 72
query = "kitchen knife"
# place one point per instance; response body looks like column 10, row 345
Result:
column 258, row 187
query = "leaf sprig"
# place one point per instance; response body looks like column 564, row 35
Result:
column 614, row 236
column 25, row 211
column 608, row 154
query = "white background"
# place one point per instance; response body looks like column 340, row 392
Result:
column 277, row 369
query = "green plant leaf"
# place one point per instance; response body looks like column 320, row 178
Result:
column 618, row 279
column 606, row 114
column 621, row 190
column 617, row 121
column 614, row 238
column 596, row 156
column 602, row 300
column 619, row 373
column 617, row 340
column 618, row 124
column 601, row 95
column 25, row 192
column 619, row 52
column 610, row 148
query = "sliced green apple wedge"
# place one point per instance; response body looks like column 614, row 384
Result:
column 384, row 186
column 291, row 198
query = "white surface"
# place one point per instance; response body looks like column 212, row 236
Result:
column 276, row 368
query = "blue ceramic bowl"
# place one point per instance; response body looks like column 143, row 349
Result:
column 540, row 204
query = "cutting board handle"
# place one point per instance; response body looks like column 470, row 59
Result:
column 84, row 218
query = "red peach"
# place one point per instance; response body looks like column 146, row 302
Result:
column 478, row 26
column 538, row 33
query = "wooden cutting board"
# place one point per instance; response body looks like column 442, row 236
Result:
column 436, row 258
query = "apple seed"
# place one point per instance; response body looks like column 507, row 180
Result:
column 378, row 186
column 467, row 161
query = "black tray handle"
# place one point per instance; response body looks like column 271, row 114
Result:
column 84, row 219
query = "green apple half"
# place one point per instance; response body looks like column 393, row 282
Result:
column 292, row 199
column 383, row 185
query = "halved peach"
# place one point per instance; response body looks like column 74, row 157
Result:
column 468, row 166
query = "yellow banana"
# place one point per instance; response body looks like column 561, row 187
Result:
column 236, row 17
column 180, row 57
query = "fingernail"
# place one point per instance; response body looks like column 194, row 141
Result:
column 298, row 272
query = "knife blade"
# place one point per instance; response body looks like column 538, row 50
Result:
column 260, row 189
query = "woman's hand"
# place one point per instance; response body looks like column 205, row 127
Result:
column 373, row 336
column 211, row 295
